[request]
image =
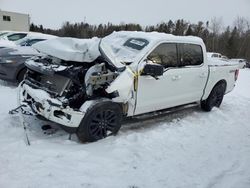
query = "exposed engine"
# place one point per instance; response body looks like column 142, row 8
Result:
column 71, row 82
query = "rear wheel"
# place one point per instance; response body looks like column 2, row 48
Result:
column 215, row 98
column 100, row 121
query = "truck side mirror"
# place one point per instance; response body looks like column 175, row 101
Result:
column 154, row 70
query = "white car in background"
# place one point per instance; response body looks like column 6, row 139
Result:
column 3, row 33
column 216, row 55
column 34, row 38
column 4, row 42
column 8, row 38
column 242, row 62
column 213, row 55
column 12, row 39
column 12, row 57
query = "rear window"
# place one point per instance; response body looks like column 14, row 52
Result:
column 136, row 43
column 192, row 54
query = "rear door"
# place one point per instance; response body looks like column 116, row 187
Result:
column 194, row 72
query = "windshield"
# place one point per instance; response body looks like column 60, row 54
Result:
column 122, row 49
column 16, row 36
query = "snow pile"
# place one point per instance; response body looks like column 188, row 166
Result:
column 188, row 148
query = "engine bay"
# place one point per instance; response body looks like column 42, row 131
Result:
column 70, row 82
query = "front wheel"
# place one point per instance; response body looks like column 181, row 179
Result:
column 215, row 98
column 100, row 121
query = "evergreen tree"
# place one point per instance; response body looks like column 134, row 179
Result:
column 189, row 30
column 233, row 43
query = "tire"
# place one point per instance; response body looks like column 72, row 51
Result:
column 101, row 120
column 20, row 75
column 215, row 98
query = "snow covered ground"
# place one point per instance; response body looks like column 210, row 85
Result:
column 186, row 149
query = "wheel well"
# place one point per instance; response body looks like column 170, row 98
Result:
column 20, row 71
column 218, row 83
column 124, row 108
column 223, row 82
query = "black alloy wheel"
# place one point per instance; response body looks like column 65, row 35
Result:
column 215, row 98
column 100, row 121
column 103, row 124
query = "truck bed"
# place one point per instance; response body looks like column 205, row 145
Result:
column 220, row 69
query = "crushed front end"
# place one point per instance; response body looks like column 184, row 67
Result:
column 56, row 89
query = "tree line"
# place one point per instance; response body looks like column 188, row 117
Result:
column 232, row 41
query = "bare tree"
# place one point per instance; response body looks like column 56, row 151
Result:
column 242, row 24
column 216, row 25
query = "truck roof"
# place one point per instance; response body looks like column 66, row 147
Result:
column 122, row 46
column 157, row 36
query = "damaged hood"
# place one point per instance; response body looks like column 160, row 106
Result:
column 71, row 49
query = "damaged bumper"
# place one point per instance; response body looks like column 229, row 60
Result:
column 51, row 109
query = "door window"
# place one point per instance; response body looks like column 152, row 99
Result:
column 192, row 54
column 165, row 54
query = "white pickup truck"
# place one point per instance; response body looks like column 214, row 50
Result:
column 88, row 85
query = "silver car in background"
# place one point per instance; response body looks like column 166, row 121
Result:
column 12, row 58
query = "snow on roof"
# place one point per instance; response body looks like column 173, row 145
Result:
column 34, row 35
column 157, row 36
column 5, row 31
column 11, row 32
column 6, row 43
column 14, row 32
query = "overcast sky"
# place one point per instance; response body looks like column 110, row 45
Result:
column 52, row 13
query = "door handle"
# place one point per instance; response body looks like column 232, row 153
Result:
column 203, row 75
column 177, row 77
